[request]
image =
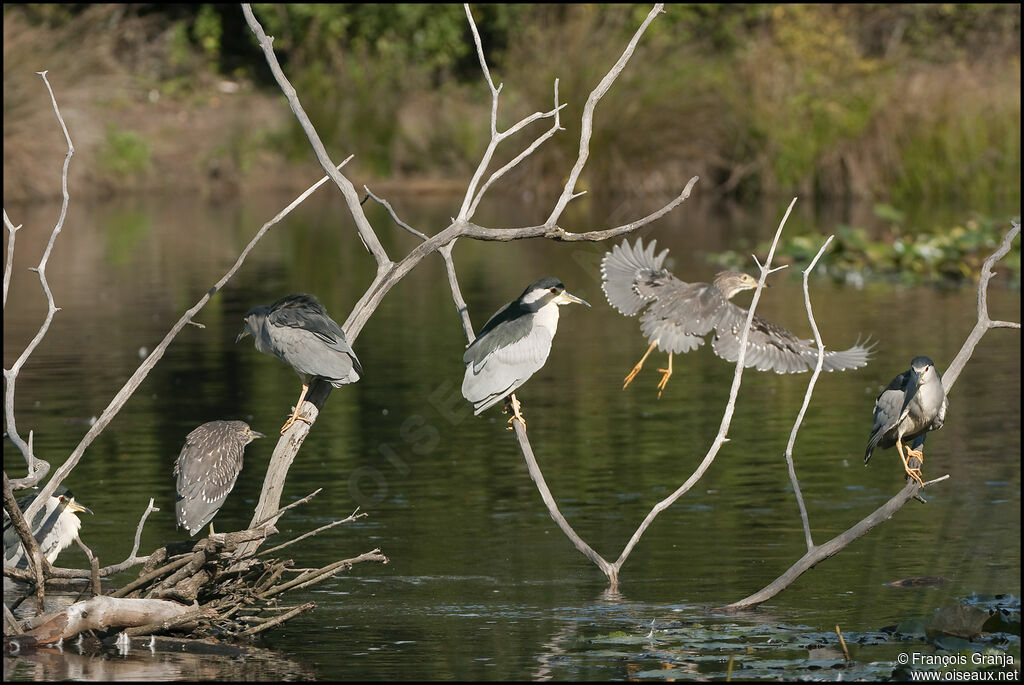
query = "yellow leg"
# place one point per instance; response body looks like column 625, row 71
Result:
column 211, row 529
column 295, row 414
column 665, row 375
column 639, row 364
column 913, row 472
column 516, row 411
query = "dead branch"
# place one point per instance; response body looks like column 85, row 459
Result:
column 104, row 613
column 390, row 273
column 121, row 398
column 351, row 517
column 37, row 468
column 366, row 233
column 984, row 322
column 38, row 564
column 11, row 230
column 278, row 620
column 807, row 397
column 817, row 554
column 730, row 406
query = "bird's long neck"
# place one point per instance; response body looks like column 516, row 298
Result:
column 547, row 317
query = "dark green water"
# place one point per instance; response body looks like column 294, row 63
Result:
column 481, row 584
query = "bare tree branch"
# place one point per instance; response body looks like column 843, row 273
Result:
column 37, row 468
column 730, row 406
column 984, row 322
column 394, row 215
column 366, row 233
column 351, row 517
column 587, row 123
column 807, row 397
column 817, row 554
column 557, row 233
column 11, row 230
column 140, row 374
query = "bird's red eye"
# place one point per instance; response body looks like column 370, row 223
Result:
column 554, row 290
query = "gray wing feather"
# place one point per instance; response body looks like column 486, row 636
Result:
column 501, row 335
column 315, row 346
column 631, row 276
column 206, row 469
column 774, row 348
column 490, row 378
column 682, row 315
column 887, row 414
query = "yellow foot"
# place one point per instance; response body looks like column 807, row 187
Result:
column 913, row 471
column 632, row 375
column 292, row 419
column 639, row 365
column 516, row 411
column 665, row 375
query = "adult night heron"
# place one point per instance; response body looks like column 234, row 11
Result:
column 207, row 469
column 680, row 314
column 54, row 527
column 913, row 404
column 513, row 345
column 297, row 330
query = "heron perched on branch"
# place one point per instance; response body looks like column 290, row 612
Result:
column 913, row 404
column 513, row 345
column 206, row 470
column 54, row 527
column 678, row 315
column 297, row 330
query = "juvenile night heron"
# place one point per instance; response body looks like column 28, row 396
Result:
column 679, row 315
column 297, row 330
column 913, row 404
column 207, row 469
column 513, row 345
column 54, row 527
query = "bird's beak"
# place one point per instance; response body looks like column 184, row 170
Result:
column 255, row 434
column 244, row 332
column 568, row 298
column 74, row 507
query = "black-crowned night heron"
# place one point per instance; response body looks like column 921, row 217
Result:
column 513, row 345
column 54, row 527
column 207, row 469
column 297, row 330
column 913, row 404
column 680, row 314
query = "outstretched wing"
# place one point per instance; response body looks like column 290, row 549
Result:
column 772, row 347
column 633, row 276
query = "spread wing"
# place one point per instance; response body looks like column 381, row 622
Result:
column 633, row 276
column 772, row 347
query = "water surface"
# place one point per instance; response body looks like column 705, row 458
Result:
column 481, row 584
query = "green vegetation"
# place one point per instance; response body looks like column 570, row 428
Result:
column 898, row 103
column 124, row 153
column 947, row 255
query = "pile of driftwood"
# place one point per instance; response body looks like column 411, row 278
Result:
column 221, row 586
